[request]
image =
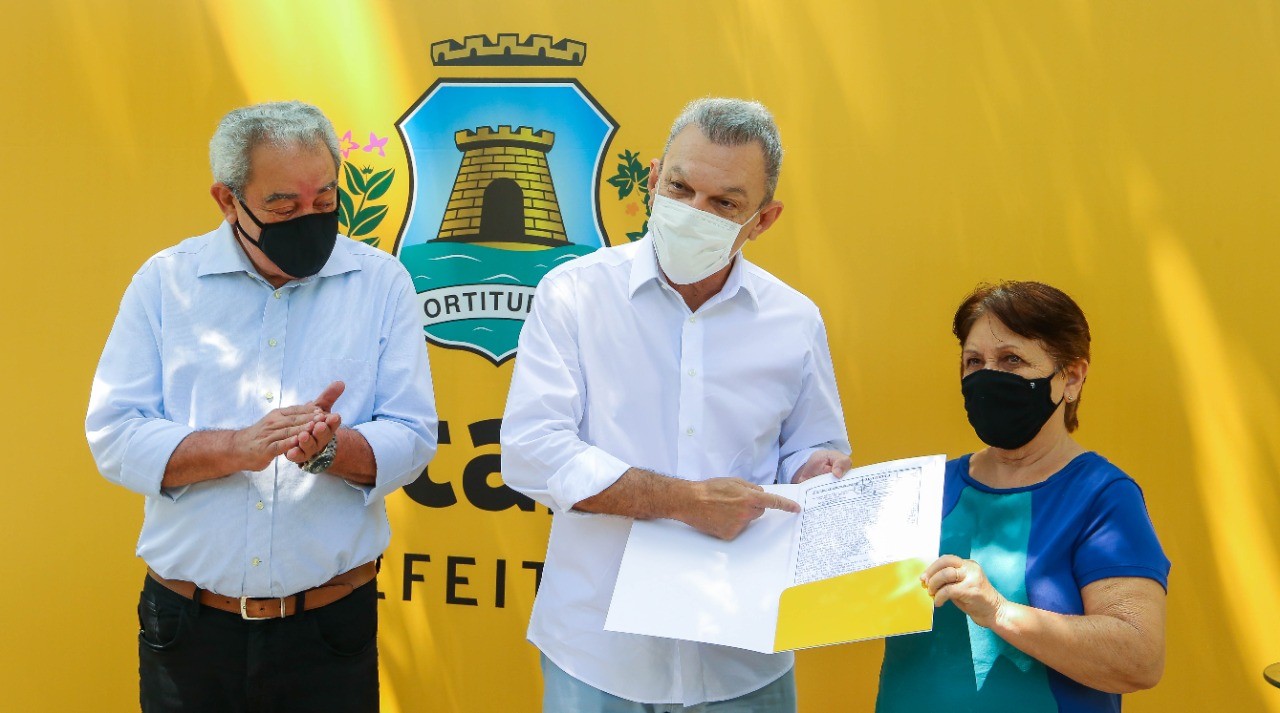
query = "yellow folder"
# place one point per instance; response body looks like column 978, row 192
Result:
column 877, row 602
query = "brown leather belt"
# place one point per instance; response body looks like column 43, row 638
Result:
column 279, row 607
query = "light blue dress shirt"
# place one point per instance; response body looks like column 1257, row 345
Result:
column 202, row 341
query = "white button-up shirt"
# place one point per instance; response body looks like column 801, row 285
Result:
column 202, row 341
column 613, row 371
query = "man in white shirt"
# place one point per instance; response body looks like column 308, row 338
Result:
column 265, row 386
column 668, row 378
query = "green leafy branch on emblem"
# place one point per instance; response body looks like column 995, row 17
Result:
column 358, row 221
column 633, row 176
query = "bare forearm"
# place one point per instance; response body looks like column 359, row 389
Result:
column 354, row 459
column 1097, row 650
column 203, row 455
column 642, row 495
column 720, row 507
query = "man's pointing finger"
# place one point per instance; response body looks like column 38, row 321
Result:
column 777, row 502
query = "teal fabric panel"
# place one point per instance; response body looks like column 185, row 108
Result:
column 961, row 665
column 998, row 529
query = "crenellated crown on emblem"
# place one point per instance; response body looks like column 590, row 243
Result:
column 504, row 136
column 508, row 50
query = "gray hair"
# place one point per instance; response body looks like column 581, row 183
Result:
column 291, row 123
column 733, row 122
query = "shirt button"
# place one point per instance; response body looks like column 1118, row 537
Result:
column 272, row 342
column 693, row 372
column 688, row 431
column 268, row 396
column 691, row 319
column 277, row 294
column 255, row 561
column 259, row 505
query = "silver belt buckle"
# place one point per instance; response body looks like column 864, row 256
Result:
column 244, row 610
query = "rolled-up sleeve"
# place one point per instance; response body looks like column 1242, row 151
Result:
column 542, row 453
column 402, row 432
column 816, row 422
column 129, row 437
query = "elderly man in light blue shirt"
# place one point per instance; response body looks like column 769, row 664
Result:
column 265, row 386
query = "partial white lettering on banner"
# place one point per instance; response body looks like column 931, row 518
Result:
column 457, row 302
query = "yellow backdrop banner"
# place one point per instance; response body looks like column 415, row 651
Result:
column 1124, row 151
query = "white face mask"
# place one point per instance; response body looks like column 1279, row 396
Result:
column 691, row 244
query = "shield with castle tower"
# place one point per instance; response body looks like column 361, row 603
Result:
column 504, row 196
column 505, row 176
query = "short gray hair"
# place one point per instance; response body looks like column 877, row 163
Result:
column 291, row 123
column 733, row 122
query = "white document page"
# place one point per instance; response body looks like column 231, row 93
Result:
column 868, row 518
column 678, row 583
column 681, row 584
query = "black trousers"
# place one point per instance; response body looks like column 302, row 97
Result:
column 192, row 658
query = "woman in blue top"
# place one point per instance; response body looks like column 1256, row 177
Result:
column 1051, row 587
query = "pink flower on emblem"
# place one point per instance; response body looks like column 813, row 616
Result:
column 376, row 143
column 350, row 145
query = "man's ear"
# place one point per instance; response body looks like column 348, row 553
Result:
column 768, row 216
column 225, row 199
column 655, row 168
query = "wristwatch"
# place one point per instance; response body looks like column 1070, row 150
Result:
column 321, row 461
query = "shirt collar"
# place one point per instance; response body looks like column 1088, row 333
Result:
column 738, row 282
column 224, row 255
column 645, row 269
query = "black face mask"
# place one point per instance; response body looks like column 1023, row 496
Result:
column 1007, row 410
column 299, row 246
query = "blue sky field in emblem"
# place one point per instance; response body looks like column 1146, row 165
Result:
column 581, row 134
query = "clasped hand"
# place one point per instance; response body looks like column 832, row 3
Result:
column 962, row 582
column 299, row 432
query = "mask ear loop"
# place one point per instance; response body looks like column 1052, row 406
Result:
column 236, row 226
column 1049, row 382
column 256, row 222
column 252, row 217
column 1067, row 399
